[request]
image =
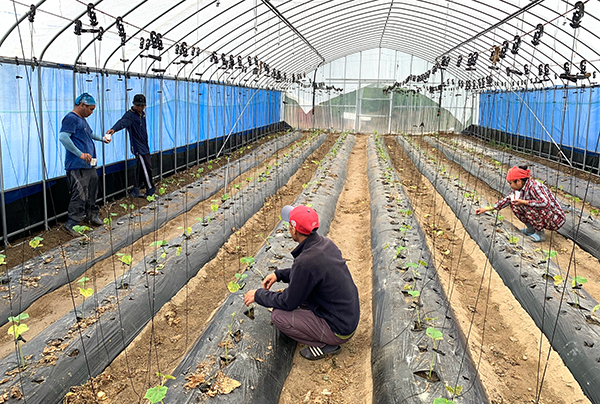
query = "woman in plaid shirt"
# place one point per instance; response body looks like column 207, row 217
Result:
column 532, row 202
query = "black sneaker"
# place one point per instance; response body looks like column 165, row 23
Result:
column 68, row 227
column 314, row 353
column 150, row 192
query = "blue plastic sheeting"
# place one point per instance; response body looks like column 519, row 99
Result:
column 179, row 113
column 568, row 117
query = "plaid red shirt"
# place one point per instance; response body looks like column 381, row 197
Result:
column 543, row 211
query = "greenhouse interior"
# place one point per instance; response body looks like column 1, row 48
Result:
column 281, row 201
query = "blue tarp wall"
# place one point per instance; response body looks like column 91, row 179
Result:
column 179, row 113
column 566, row 116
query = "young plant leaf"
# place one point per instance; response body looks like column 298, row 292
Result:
column 434, row 334
column 442, row 401
column 125, row 259
column 233, row 286
column 156, row 394
column 414, row 293
column 579, row 280
column 86, row 292
column 19, row 318
column 558, row 279
column 17, row 330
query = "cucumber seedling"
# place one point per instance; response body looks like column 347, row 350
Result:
column 85, row 292
column 36, row 243
column 125, row 262
column 158, row 393
column 16, row 330
column 435, row 335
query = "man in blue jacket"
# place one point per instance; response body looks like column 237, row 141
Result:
column 80, row 163
column 320, row 307
column 134, row 121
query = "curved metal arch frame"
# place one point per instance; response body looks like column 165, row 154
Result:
column 390, row 13
column 164, row 51
column 338, row 45
column 19, row 21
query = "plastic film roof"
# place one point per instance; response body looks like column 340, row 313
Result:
column 287, row 39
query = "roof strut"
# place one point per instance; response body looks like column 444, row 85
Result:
column 485, row 31
column 289, row 24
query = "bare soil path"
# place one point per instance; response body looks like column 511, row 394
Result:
column 164, row 341
column 503, row 340
column 56, row 304
column 346, row 377
column 569, row 255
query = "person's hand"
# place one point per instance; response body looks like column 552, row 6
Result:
column 87, row 157
column 110, row 132
column 249, row 297
column 107, row 138
column 480, row 211
column 519, row 202
column 269, row 281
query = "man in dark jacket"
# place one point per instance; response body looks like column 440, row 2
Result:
column 320, row 307
column 134, row 121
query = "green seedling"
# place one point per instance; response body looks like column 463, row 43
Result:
column 404, row 228
column 435, row 335
column 161, row 191
column 81, row 231
column 513, row 239
column 125, row 262
column 399, row 250
column 158, row 393
column 594, row 211
column 549, row 254
column 225, row 197
column 229, row 334
column 238, row 283
column 596, row 308
column 442, row 401
column 16, row 330
column 237, row 186
column 214, row 206
column 85, row 292
column 557, row 279
column 247, row 260
column 151, row 198
column 124, row 206
column 162, row 244
column 415, row 295
column 178, row 252
column 578, row 280
column 500, row 218
column 36, row 243
column 2, row 259
column 455, row 391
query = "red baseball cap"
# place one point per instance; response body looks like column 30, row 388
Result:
column 303, row 218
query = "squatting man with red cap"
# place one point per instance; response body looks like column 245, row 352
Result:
column 320, row 307
column 532, row 203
